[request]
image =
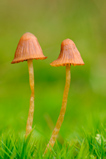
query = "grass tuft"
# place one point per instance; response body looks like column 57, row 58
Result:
column 88, row 146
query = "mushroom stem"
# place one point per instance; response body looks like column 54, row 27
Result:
column 62, row 111
column 31, row 108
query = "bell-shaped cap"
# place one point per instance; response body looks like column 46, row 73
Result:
column 69, row 54
column 28, row 48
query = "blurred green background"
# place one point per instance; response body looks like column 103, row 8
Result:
column 51, row 22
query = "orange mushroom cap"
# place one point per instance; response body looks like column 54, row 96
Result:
column 28, row 48
column 69, row 54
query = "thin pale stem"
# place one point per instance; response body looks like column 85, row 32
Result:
column 31, row 108
column 62, row 111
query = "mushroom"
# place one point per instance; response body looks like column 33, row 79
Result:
column 28, row 49
column 69, row 55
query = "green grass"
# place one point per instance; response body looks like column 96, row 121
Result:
column 88, row 145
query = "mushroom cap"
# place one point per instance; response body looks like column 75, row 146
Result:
column 28, row 48
column 69, row 54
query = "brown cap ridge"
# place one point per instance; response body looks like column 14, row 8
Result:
column 69, row 54
column 28, row 48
